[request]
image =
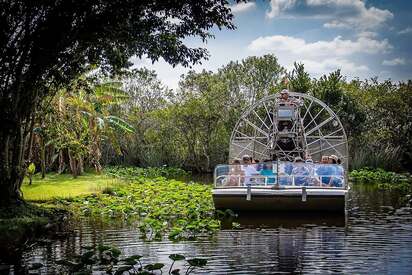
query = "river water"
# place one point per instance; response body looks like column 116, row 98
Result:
column 375, row 237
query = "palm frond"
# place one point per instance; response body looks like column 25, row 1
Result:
column 111, row 92
column 121, row 124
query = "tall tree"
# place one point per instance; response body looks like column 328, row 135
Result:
column 299, row 79
column 45, row 44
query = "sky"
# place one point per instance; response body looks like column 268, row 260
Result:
column 364, row 39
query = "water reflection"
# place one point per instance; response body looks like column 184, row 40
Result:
column 375, row 238
column 284, row 220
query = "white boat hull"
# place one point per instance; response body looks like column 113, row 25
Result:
column 324, row 200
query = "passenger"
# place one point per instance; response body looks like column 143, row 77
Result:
column 258, row 165
column 337, row 172
column 324, row 160
column 325, row 171
column 300, row 170
column 248, row 169
column 236, row 174
column 286, row 100
column 284, row 172
column 267, row 171
column 284, row 96
column 312, row 181
column 308, row 159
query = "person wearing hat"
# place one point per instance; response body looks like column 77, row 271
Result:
column 333, row 159
column 284, row 97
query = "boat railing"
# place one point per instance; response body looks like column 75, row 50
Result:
column 291, row 175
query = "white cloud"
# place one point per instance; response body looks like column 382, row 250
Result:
column 336, row 47
column 278, row 6
column 350, row 69
column 353, row 13
column 242, row 7
column 394, row 62
column 367, row 34
column 338, row 13
column 322, row 56
column 405, row 31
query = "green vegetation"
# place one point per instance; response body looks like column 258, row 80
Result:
column 131, row 173
column 161, row 206
column 20, row 224
column 109, row 258
column 369, row 175
column 134, row 120
column 180, row 210
column 65, row 186
column 56, row 185
column 104, row 35
column 384, row 179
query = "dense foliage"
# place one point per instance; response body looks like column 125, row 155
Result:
column 191, row 127
column 131, row 173
column 179, row 210
column 385, row 180
column 45, row 45
column 367, row 175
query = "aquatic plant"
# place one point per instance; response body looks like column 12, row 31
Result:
column 162, row 207
column 131, row 173
column 385, row 180
column 108, row 258
column 369, row 175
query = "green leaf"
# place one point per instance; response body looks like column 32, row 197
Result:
column 197, row 262
column 115, row 252
column 123, row 269
column 130, row 261
column 156, row 266
column 120, row 124
column 176, row 257
column 102, row 247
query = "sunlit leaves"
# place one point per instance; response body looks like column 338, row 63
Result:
column 163, row 207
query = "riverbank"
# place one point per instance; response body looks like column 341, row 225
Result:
column 40, row 216
column 162, row 206
column 21, row 225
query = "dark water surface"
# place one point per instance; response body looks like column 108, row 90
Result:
column 374, row 237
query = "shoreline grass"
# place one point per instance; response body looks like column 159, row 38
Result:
column 65, row 186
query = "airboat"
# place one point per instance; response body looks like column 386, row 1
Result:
column 286, row 135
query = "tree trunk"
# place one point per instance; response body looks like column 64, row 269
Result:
column 31, row 139
column 11, row 161
column 61, row 162
column 42, row 157
column 80, row 165
column 75, row 165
